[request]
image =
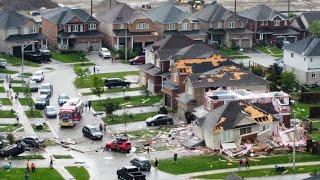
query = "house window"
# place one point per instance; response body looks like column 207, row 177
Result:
column 292, row 55
column 210, row 24
column 195, row 26
column 265, row 127
column 261, row 36
column 81, row 28
column 121, row 26
column 245, row 130
column 285, row 23
column 171, row 26
column 75, row 28
column 231, row 24
column 311, row 60
column 313, row 75
column 277, row 23
column 142, row 26
column 92, row 26
column 185, row 26
column 241, row 24
column 265, row 23
column 69, row 28
column 33, row 30
column 262, row 23
column 227, row 136
column 219, row 25
column 304, row 59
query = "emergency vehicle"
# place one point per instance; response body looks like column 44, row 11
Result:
column 70, row 112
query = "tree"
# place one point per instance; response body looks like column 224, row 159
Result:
column 314, row 28
column 28, row 95
column 97, row 86
column 81, row 73
column 110, row 106
column 274, row 74
column 257, row 70
column 287, row 80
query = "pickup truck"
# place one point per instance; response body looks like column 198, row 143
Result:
column 36, row 57
column 130, row 173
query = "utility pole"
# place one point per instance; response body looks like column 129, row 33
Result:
column 235, row 6
column 288, row 7
column 110, row 4
column 126, row 42
column 91, row 8
column 294, row 143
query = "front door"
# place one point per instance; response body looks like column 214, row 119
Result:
column 72, row 42
column 168, row 100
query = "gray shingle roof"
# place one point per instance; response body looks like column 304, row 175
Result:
column 261, row 13
column 185, row 98
column 309, row 46
column 215, row 13
column 174, row 41
column 194, row 51
column 122, row 13
column 11, row 19
column 122, row 32
column 311, row 16
column 210, row 120
column 285, row 31
column 25, row 37
column 63, row 15
column 145, row 67
column 187, row 33
column 166, row 53
column 168, row 84
column 167, row 14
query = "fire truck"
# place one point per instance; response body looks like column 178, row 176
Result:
column 70, row 112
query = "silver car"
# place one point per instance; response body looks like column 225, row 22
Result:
column 62, row 99
column 50, row 112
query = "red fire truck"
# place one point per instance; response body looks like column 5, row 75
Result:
column 70, row 112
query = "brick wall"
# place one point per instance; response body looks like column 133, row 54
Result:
column 50, row 30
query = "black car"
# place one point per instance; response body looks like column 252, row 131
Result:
column 13, row 150
column 92, row 132
column 116, row 82
column 130, row 173
column 160, row 119
column 37, row 57
column 42, row 101
column 33, row 142
column 141, row 163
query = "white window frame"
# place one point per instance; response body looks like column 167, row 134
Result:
column 81, row 28
column 185, row 26
column 231, row 24
column 285, row 22
column 208, row 104
column 313, row 75
column 227, row 136
column 175, row 77
column 171, row 27
column 121, row 26
column 76, row 28
column 142, row 26
column 311, row 60
column 219, row 24
column 277, row 22
column 266, row 127
column 246, row 130
column 33, row 30
column 92, row 26
column 261, row 23
column 210, row 24
column 265, row 23
column 69, row 28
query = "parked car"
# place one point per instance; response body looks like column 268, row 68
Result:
column 92, row 132
column 3, row 63
column 13, row 150
column 33, row 86
column 62, row 98
column 138, row 60
column 119, row 144
column 33, row 142
column 50, row 112
column 104, row 52
column 46, row 88
column 130, row 173
column 37, row 76
column 42, row 101
column 159, row 119
column 46, row 54
column 141, row 163
column 116, row 82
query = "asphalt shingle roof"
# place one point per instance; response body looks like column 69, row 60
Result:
column 122, row 13
column 261, row 13
column 25, row 37
column 194, row 51
column 215, row 13
column 311, row 16
column 309, row 46
column 174, row 41
column 12, row 19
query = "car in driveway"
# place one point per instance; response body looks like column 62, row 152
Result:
column 46, row 88
column 159, row 119
column 141, row 163
column 42, row 101
column 62, row 99
column 116, row 82
column 13, row 150
column 92, row 132
column 138, row 60
column 50, row 112
column 104, row 52
column 33, row 142
column 37, row 76
column 33, row 86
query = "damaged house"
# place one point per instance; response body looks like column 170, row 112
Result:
column 246, row 124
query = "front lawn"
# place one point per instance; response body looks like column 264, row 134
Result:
column 18, row 89
column 17, row 81
column 14, row 61
column 7, row 114
column 87, row 81
column 2, row 90
column 68, row 58
column 10, row 127
column 128, row 118
column 45, row 128
column 303, row 110
column 135, row 101
column 84, row 64
column 5, row 102
column 207, row 163
column 116, row 90
column 270, row 50
column 35, row 156
column 59, row 156
column 7, row 71
column 35, row 114
column 79, row 173
column 24, row 101
column 28, row 74
column 41, row 174
column 233, row 54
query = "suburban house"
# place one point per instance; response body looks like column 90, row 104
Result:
column 246, row 124
column 269, row 25
column 301, row 23
column 121, row 23
column 224, row 27
column 157, row 65
column 225, row 76
column 170, row 19
column 71, row 29
column 196, row 58
column 303, row 58
column 18, row 31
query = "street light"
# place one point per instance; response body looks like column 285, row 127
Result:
column 22, row 63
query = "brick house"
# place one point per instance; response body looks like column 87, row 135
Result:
column 224, row 27
column 71, row 29
column 170, row 19
column 269, row 25
column 123, row 22
column 16, row 31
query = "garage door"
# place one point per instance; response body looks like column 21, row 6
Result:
column 291, row 39
column 279, row 39
column 235, row 41
column 245, row 43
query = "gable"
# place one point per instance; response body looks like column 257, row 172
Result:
column 277, row 18
column 75, row 19
column 246, row 121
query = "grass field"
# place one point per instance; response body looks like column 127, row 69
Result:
column 36, row 114
column 7, row 71
column 7, row 114
column 35, row 156
column 45, row 128
column 68, row 58
column 128, row 118
column 115, row 90
column 6, row 101
column 24, row 101
column 10, row 127
column 14, row 61
column 58, row 156
column 41, row 174
column 79, row 173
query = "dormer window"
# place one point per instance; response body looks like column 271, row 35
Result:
column 121, row 26
column 219, row 25
column 231, row 24
column 92, row 26
column 185, row 26
column 262, row 23
column 277, row 23
column 171, row 26
column 266, row 23
column 142, row 26
column 33, row 30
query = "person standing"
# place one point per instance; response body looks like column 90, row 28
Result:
column 26, row 174
column 148, row 151
column 51, row 161
column 33, row 167
column 240, row 164
column 247, row 163
column 175, row 158
column 27, row 164
column 101, row 127
column 105, row 127
column 86, row 105
column 156, row 164
column 89, row 104
column 94, row 69
column 17, row 116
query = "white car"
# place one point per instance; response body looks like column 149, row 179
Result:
column 38, row 76
column 104, row 52
column 3, row 63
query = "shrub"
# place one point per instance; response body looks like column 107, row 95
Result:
column 189, row 117
column 10, row 138
column 71, row 52
column 130, row 54
column 163, row 110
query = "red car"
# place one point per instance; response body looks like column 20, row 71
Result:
column 120, row 144
column 138, row 60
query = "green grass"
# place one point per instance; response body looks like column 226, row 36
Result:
column 68, row 58
column 270, row 50
column 229, row 52
column 48, row 142
column 36, row 114
column 84, row 64
column 17, row 81
column 18, row 89
column 1, row 80
column 87, row 81
column 27, row 74
column 129, row 118
column 6, row 101
column 10, row 127
column 49, row 68
column 24, row 101
column 301, row 106
column 79, row 173
column 2, row 90
column 17, row 61
column 60, row 156
column 135, row 101
column 45, row 128
column 263, row 172
column 7, row 114
column 35, row 156
column 7, row 71
column 115, row 90
column 207, row 163
column 41, row 174
column 147, row 134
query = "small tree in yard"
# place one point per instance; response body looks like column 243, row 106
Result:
column 257, row 70
column 97, row 86
column 314, row 28
column 28, row 96
column 81, row 73
column 110, row 106
column 287, row 80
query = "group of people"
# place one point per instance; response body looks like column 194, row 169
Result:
column 30, row 167
column 156, row 161
column 88, row 104
column 103, row 128
column 246, row 161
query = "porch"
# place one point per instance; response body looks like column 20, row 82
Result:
column 216, row 36
column 85, row 41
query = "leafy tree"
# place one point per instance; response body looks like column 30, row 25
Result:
column 130, row 54
column 257, row 70
column 287, row 80
column 274, row 75
column 28, row 96
column 110, row 106
column 314, row 28
column 10, row 138
column 97, row 86
column 81, row 72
